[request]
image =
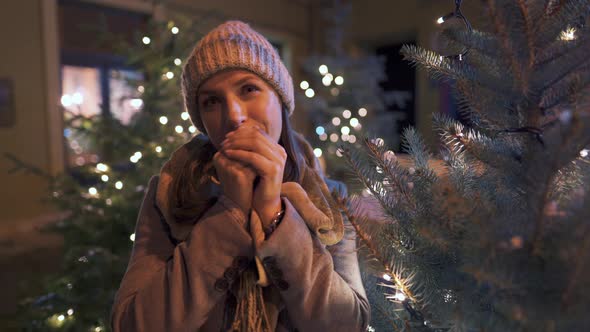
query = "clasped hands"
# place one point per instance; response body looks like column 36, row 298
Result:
column 246, row 154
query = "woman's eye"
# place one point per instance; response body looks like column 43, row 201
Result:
column 209, row 101
column 249, row 88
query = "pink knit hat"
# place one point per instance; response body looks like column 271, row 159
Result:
column 233, row 45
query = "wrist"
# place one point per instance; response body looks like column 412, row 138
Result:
column 274, row 221
column 268, row 211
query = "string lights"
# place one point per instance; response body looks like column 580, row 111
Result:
column 458, row 15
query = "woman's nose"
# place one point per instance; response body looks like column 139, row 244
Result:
column 236, row 113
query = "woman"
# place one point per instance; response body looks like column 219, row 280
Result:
column 239, row 232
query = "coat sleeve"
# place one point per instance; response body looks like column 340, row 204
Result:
column 173, row 288
column 321, row 287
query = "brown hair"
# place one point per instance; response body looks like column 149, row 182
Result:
column 187, row 187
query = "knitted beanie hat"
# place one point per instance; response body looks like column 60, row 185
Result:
column 233, row 45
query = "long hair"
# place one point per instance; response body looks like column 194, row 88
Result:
column 188, row 185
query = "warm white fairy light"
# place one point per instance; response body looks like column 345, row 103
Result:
column 104, row 178
column 179, row 129
column 346, row 114
column 354, row 122
column 323, row 69
column 351, row 139
column 339, row 153
column 320, row 130
column 184, row 115
column 330, row 76
column 339, row 80
column 132, row 237
column 138, row 155
column 400, row 296
column 304, row 85
column 66, row 100
column 177, row 61
column 133, row 159
column 309, row 93
column 192, row 129
column 119, row 185
column 109, row 201
column 323, row 137
column 102, row 167
column 61, row 318
column 70, row 312
column 336, row 121
column 362, row 112
column 169, row 75
column 584, row 153
column 326, row 80
column 158, row 149
column 317, row 152
column 344, row 137
column 146, row 40
column 386, row 277
column 378, row 141
column 333, row 138
column 440, row 20
column 98, row 329
column 92, row 191
column 78, row 98
column 163, row 120
column 174, row 30
column 141, row 89
column 335, row 92
column 569, row 34
column 345, row 130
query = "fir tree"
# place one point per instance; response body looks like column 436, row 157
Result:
column 495, row 236
column 100, row 200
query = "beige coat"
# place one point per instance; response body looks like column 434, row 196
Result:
column 170, row 286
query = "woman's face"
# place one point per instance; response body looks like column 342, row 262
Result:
column 233, row 98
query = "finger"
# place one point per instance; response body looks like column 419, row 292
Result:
column 257, row 141
column 260, row 164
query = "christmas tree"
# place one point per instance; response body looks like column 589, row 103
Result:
column 101, row 196
column 492, row 233
column 342, row 92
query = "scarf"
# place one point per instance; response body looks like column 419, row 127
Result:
column 186, row 190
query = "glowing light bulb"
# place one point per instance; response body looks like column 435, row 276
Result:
column 440, row 20
column 569, row 34
column 334, row 138
column 141, row 89
column 70, row 312
column 387, row 277
column 61, row 318
column 309, row 93
column 185, row 116
column 304, row 85
column 400, row 296
column 323, row 137
column 345, row 130
column 163, row 120
column 323, row 69
column 177, row 61
column 584, row 153
column 363, row 112
column 92, row 191
column 136, row 103
column 336, row 121
column 78, row 98
column 354, row 122
column 119, row 185
column 104, row 178
column 132, row 237
column 158, row 149
column 346, row 114
column 351, row 139
column 66, row 100
column 169, row 75
column 320, row 130
column 102, row 167
column 192, row 129
column 326, row 80
column 317, row 152
column 179, row 129
column 146, row 40
column 339, row 80
column 137, row 155
column 174, row 30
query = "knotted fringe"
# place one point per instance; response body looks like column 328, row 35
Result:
column 251, row 313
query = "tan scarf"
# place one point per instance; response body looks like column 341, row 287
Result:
column 185, row 191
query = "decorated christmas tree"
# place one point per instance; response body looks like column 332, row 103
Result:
column 492, row 232
column 342, row 92
column 113, row 160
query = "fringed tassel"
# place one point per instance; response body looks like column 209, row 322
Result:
column 251, row 313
